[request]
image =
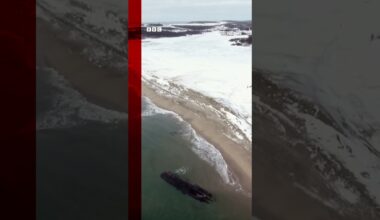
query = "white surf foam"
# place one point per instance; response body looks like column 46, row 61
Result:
column 200, row 146
column 150, row 109
column 335, row 63
column 206, row 63
column 70, row 108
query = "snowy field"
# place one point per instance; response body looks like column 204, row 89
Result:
column 329, row 51
column 206, row 63
column 104, row 20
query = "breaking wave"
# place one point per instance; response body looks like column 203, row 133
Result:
column 70, row 108
column 200, row 146
column 150, row 109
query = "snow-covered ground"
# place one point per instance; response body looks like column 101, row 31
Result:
column 104, row 20
column 206, row 63
column 329, row 51
column 100, row 26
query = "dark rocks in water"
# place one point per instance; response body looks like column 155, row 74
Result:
column 241, row 25
column 186, row 188
column 242, row 41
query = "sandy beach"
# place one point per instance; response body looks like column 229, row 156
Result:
column 209, row 126
column 297, row 175
column 104, row 86
column 108, row 88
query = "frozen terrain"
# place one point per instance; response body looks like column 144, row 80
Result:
column 103, row 21
column 204, row 61
column 325, row 56
column 69, row 37
column 99, row 25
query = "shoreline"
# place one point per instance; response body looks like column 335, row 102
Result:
column 211, row 128
column 100, row 87
column 273, row 158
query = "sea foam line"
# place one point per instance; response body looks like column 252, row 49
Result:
column 70, row 108
column 200, row 146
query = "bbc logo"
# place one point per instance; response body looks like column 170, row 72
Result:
column 153, row 29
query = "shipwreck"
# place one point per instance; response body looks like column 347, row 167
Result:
column 187, row 188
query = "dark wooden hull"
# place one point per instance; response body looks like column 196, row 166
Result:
column 187, row 188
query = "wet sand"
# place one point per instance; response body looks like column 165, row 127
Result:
column 108, row 89
column 209, row 126
column 103, row 86
column 274, row 194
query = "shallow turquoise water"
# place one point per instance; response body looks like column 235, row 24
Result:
column 164, row 148
column 82, row 170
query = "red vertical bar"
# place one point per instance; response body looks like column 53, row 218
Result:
column 17, row 91
column 134, row 109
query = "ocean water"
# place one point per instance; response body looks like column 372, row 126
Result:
column 81, row 155
column 167, row 146
column 82, row 162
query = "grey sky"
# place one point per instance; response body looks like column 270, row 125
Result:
column 195, row 10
